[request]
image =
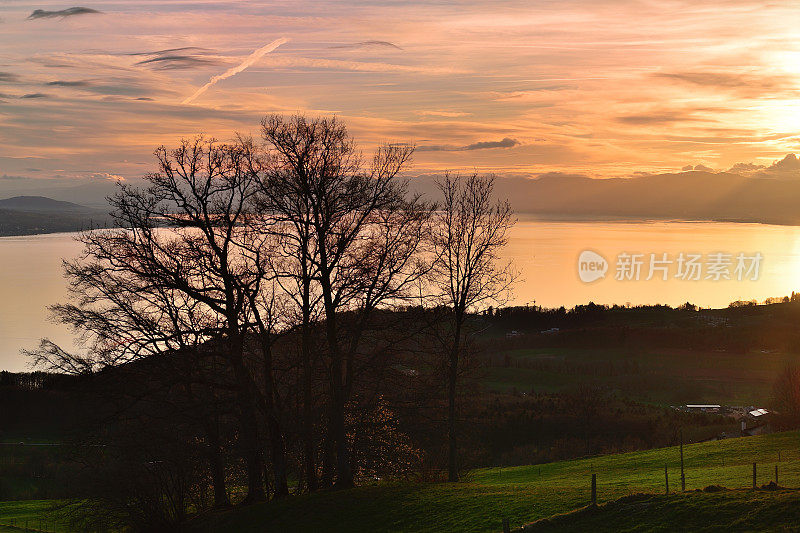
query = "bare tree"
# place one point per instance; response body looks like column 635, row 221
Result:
column 239, row 254
column 469, row 232
column 358, row 234
column 287, row 215
column 179, row 276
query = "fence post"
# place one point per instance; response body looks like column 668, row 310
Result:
column 506, row 526
column 594, row 489
column 683, row 476
column 754, row 475
column 666, row 478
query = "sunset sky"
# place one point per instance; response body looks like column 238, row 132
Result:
column 521, row 88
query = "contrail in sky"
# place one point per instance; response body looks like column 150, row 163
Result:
column 249, row 61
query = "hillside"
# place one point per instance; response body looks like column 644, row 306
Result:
column 41, row 204
column 30, row 215
column 653, row 355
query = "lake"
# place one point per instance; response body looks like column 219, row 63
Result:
column 544, row 253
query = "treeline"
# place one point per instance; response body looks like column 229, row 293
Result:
column 735, row 329
column 590, row 420
column 536, row 318
column 533, row 318
column 33, row 380
column 37, row 405
column 264, row 312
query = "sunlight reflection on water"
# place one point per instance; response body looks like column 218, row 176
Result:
column 545, row 253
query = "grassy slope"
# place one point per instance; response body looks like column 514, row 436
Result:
column 525, row 494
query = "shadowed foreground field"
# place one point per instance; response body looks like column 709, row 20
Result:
column 529, row 493
column 729, row 510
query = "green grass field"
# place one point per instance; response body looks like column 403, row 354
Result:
column 529, row 493
column 33, row 514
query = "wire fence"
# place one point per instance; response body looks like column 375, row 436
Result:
column 707, row 469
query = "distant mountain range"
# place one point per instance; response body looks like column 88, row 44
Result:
column 691, row 195
column 29, row 215
column 694, row 195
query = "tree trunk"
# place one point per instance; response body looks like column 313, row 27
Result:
column 452, row 382
column 276, row 438
column 344, row 472
column 216, row 463
column 248, row 428
column 217, row 468
column 278, row 451
column 252, row 457
column 308, row 411
column 328, row 468
column 337, row 432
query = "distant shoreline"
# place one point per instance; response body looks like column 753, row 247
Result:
column 553, row 217
column 522, row 216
